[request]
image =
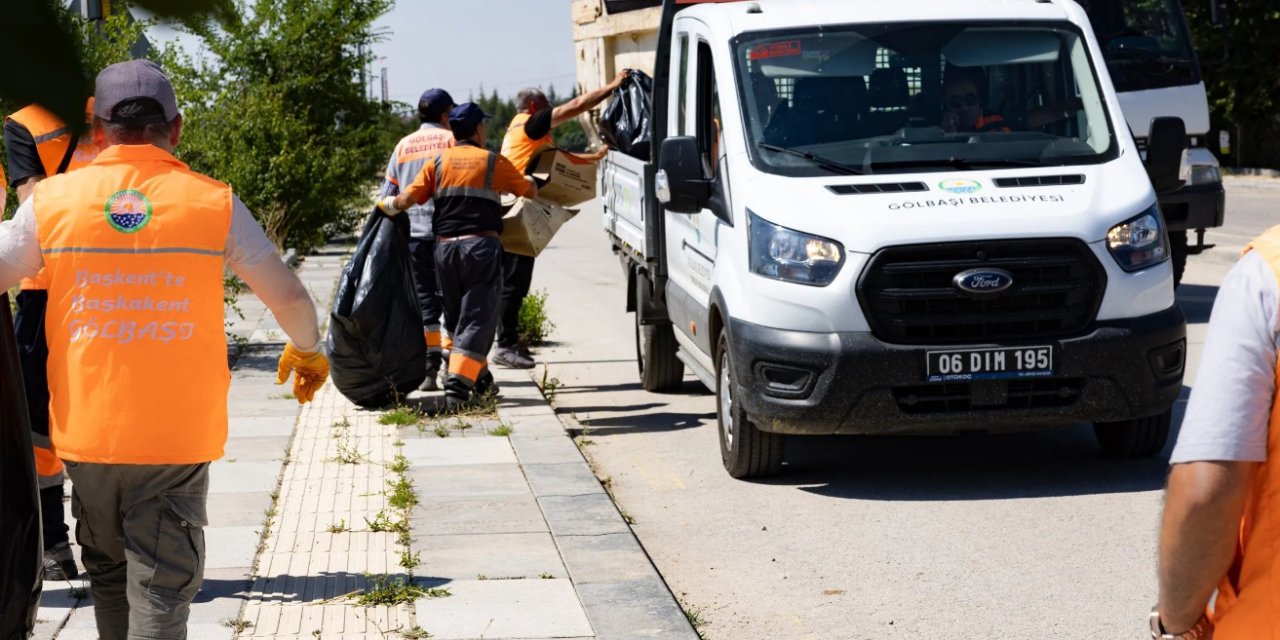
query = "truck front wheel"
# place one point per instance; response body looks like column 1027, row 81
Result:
column 1137, row 438
column 656, row 346
column 747, row 451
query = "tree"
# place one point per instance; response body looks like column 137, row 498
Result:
column 280, row 114
column 1244, row 89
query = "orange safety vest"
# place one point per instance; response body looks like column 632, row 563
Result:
column 518, row 147
column 52, row 137
column 133, row 249
column 1248, row 602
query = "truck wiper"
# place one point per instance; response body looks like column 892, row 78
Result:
column 830, row 165
column 955, row 162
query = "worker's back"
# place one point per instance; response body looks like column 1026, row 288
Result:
column 133, row 247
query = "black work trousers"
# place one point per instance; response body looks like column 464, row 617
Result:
column 470, row 275
column 517, row 277
column 427, row 290
column 33, row 357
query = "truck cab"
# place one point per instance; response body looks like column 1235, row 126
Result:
column 880, row 218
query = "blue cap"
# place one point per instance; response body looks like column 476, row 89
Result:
column 467, row 116
column 435, row 102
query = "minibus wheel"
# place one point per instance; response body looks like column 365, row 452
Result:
column 747, row 452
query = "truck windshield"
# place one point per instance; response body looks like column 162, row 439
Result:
column 1145, row 43
column 891, row 98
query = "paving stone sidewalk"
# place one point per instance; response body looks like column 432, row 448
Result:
column 484, row 525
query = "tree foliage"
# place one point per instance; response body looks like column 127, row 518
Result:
column 278, row 112
column 1244, row 88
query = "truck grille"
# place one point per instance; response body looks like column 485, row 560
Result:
column 969, row 396
column 908, row 296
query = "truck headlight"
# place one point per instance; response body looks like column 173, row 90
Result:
column 1141, row 242
column 792, row 256
column 1204, row 174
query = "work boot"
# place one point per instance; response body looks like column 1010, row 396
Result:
column 432, row 383
column 59, row 563
column 512, row 358
column 485, row 385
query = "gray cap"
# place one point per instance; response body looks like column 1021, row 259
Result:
column 125, row 81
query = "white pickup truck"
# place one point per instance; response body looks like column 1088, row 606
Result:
column 829, row 242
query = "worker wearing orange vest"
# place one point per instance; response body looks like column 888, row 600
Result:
column 133, row 248
column 411, row 154
column 38, row 145
column 529, row 132
column 1222, row 507
column 465, row 182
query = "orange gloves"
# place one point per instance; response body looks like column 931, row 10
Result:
column 310, row 371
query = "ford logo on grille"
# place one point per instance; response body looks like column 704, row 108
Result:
column 983, row 281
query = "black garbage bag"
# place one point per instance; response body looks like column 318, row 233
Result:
column 376, row 349
column 20, row 543
column 627, row 123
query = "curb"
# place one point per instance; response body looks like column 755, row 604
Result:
column 1250, row 172
column 620, row 589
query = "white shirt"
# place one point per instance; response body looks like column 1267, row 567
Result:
column 1230, row 407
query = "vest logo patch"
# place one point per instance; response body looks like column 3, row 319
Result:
column 128, row 211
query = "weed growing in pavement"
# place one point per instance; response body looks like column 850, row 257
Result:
column 547, row 576
column 484, row 405
column 409, row 560
column 549, row 386
column 382, row 523
column 400, row 416
column 284, row 396
column 401, row 495
column 583, row 440
column 399, row 465
column 533, row 325
column 348, row 454
column 344, row 423
column 387, row 591
column 461, row 425
column 438, row 593
column 237, row 626
column 442, row 431
column 403, row 538
column 501, row 430
column 626, row 517
column 694, row 615
column 398, row 443
column 482, row 577
column 415, row 632
column 338, row 527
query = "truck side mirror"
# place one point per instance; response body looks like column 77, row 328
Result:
column 1165, row 145
column 680, row 185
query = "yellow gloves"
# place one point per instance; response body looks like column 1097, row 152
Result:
column 310, row 369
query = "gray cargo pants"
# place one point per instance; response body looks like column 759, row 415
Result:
column 141, row 532
column 469, row 270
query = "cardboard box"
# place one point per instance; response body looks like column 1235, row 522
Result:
column 527, row 228
column 562, row 178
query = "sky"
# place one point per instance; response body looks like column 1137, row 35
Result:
column 463, row 45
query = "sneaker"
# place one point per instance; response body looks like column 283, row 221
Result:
column 512, row 359
column 59, row 563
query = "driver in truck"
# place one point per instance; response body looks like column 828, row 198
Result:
column 962, row 100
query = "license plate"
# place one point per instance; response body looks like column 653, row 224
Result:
column 990, row 364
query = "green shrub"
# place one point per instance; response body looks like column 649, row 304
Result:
column 534, row 325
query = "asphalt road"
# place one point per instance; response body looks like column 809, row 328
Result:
column 1018, row 536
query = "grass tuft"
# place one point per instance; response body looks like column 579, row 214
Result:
column 387, row 591
column 400, row 416
column 501, row 430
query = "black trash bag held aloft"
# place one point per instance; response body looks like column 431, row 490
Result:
column 376, row 347
column 21, row 548
column 627, row 123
